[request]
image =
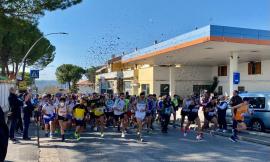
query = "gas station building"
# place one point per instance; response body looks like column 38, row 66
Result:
column 186, row 64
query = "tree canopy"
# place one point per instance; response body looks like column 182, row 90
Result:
column 68, row 73
column 16, row 37
column 33, row 8
column 90, row 74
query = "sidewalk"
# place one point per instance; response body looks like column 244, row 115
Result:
column 24, row 151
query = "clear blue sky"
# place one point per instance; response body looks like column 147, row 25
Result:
column 99, row 28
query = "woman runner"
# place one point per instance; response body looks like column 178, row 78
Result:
column 140, row 112
column 62, row 112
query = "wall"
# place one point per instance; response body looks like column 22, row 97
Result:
column 145, row 76
column 4, row 93
column 252, row 83
column 85, row 89
column 186, row 77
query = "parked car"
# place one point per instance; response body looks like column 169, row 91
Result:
column 260, row 106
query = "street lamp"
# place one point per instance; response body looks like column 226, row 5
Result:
column 30, row 49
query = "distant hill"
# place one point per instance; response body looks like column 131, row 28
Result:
column 42, row 84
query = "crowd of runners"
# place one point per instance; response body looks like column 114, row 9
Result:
column 123, row 112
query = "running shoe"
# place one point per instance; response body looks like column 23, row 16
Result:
column 51, row 135
column 63, row 138
column 199, row 137
column 182, row 130
column 232, row 138
column 123, row 135
column 76, row 135
column 212, row 133
column 102, row 135
column 13, row 141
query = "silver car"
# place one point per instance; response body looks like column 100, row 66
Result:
column 260, row 106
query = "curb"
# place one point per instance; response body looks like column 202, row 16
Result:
column 242, row 138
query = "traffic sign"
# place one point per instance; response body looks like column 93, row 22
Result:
column 236, row 78
column 34, row 73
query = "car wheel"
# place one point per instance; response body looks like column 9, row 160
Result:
column 257, row 125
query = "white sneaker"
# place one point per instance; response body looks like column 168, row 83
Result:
column 212, row 133
column 123, row 135
column 102, row 135
column 185, row 134
column 199, row 137
column 51, row 136
column 224, row 131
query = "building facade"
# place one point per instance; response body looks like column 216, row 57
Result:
column 186, row 64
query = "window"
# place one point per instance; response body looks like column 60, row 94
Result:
column 146, row 88
column 220, row 90
column 241, row 88
column 254, row 68
column 127, row 86
column 222, row 71
column 256, row 102
column 164, row 89
column 197, row 89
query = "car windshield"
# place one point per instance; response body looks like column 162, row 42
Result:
column 256, row 102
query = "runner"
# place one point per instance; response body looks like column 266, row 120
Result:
column 194, row 117
column 221, row 110
column 185, row 111
column 119, row 107
column 62, row 112
column 99, row 114
column 176, row 104
column 166, row 112
column 48, row 111
column 149, row 112
column 238, row 116
column 210, row 114
column 71, row 104
column 140, row 113
column 109, row 109
column 79, row 114
column 159, row 107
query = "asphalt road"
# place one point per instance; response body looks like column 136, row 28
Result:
column 159, row 147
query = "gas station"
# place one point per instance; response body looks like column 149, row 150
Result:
column 239, row 57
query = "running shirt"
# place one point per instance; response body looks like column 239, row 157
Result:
column 150, row 105
column 119, row 107
column 186, row 105
column 70, row 106
column 62, row 111
column 210, row 111
column 79, row 112
column 99, row 109
column 240, row 112
column 141, row 106
column 49, row 109
column 175, row 102
column 160, row 104
column 167, row 108
column 193, row 112
column 109, row 105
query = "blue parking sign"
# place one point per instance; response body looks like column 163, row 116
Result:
column 236, row 78
column 34, row 73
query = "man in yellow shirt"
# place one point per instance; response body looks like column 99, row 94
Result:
column 79, row 114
